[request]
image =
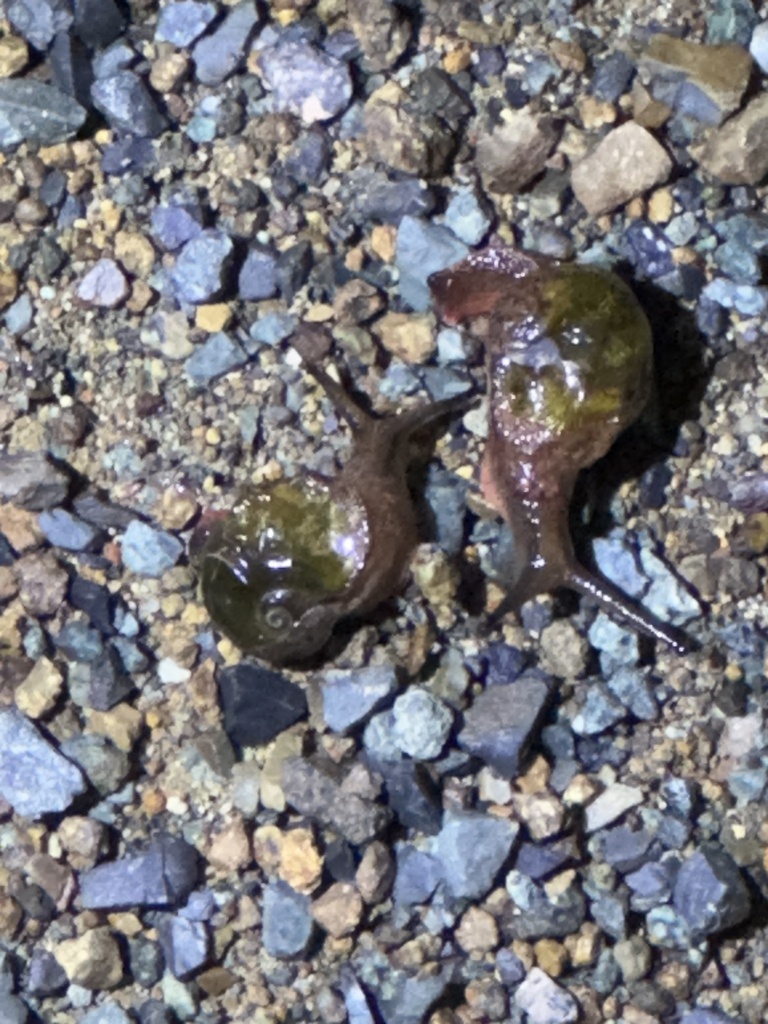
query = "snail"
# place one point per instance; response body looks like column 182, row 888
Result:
column 570, row 366
column 296, row 556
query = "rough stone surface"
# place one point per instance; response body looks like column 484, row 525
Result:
column 545, row 1001
column 288, row 922
column 472, row 848
column 148, row 551
column 306, row 82
column 515, row 153
column 217, row 55
column 33, row 112
column 34, row 778
column 30, row 480
column 351, row 695
column 710, row 893
column 737, row 153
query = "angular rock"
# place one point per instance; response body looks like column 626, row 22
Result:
column 710, row 893
column 105, row 766
column 287, row 922
column 34, row 777
column 422, row 250
column 701, row 81
column 71, row 68
column 472, row 848
column 38, row 21
column 545, row 1001
column 400, row 135
column 503, row 720
column 45, row 975
column 382, row 30
column 198, row 275
column 128, row 105
column 614, row 801
column 305, row 81
column 515, row 152
column 412, row 795
column 216, row 56
column 163, row 876
column 29, row 480
column 350, row 695
column 183, row 21
column 737, row 153
column 104, row 285
column 92, row 960
column 97, row 22
column 148, row 551
column 184, row 943
column 417, row 875
column 537, row 916
column 421, row 724
column 218, row 356
column 371, row 195
column 258, row 704
column 625, row 163
column 176, row 224
column 258, row 277
column 33, row 112
column 107, row 1013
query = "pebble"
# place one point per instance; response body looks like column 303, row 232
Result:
column 468, row 216
column 34, row 778
column 219, row 355
column 12, row 1009
column 758, row 46
column 339, row 910
column 305, row 81
column 184, row 944
column 163, row 876
column 421, row 724
column 737, row 152
column 92, row 960
column 287, row 921
column 102, row 763
column 409, row 337
column 710, row 893
column 515, row 152
column 65, row 530
column 351, row 695
column 258, row 704
column 45, row 976
column 19, row 315
column 105, row 285
column 417, row 875
column 38, row 21
column 33, row 112
column 614, row 801
column 183, row 21
column 372, row 196
column 472, row 848
column 148, row 551
column 107, row 1013
column 667, row 597
column 176, row 224
column 41, row 689
column 258, row 277
column 198, row 275
column 217, row 55
column 619, row 564
column 502, row 722
column 599, row 712
column 612, row 76
column 625, row 163
column 632, row 688
column 423, row 249
column 30, row 481
column 544, row 1000
column 128, row 105
column 706, row 1015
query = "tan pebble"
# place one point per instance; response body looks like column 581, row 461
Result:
column 569, row 55
column 141, row 296
column 320, row 313
column 9, row 287
column 585, row 945
column 543, row 814
column 10, row 915
column 169, row 71
column 595, row 113
column 551, row 957
column 40, row 690
column 267, row 847
column 84, row 840
column 301, row 865
column 213, row 317
column 579, row 790
column 230, row 848
column 383, row 242
column 375, row 874
column 213, row 436
column 477, row 931
column 635, row 208
column 458, row 59
column 536, row 779
column 8, row 586
column 125, row 923
column 92, row 960
column 14, row 56
column 215, row 981
column 121, row 724
column 661, row 206
column 153, row 802
column 339, row 909
column 135, row 252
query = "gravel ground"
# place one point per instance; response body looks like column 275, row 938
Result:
column 448, row 818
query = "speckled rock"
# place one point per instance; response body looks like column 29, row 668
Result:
column 544, row 1001
column 421, row 723
column 710, row 893
column 288, row 922
column 513, row 154
column 183, row 21
column 92, row 960
column 737, row 153
column 217, row 55
column 218, row 356
column 148, row 551
column 33, row 112
column 128, row 105
column 305, row 81
column 472, row 848
column 198, row 275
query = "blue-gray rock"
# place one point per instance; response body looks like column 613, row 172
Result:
column 38, row 21
column 118, row 57
column 33, row 112
column 544, row 1001
column 632, row 688
column 12, row 1009
column 258, row 704
column 200, row 266
column 270, row 329
column 412, row 794
column 217, row 356
column 412, row 997
column 355, row 1000
column 540, row 917
column 216, row 56
column 624, row 848
column 29, row 480
column 445, row 493
column 18, row 316
column 502, row 722
column 163, row 876
column 600, row 711
column 371, row 195
column 538, row 860
column 305, row 81
column 421, row 724
column 730, row 21
column 539, row 72
column 351, row 695
column 468, row 216
column 105, row 766
column 472, row 848
column 710, row 893
column 184, row 944
column 78, row 641
column 148, row 551
column 612, row 76
column 64, row 530
column 609, row 910
column 749, row 299
column 34, row 777
column 183, row 21
column 107, row 1013
column 309, row 158
column 97, row 22
column 422, row 249
column 708, row 1015
column 258, row 275
column 617, row 563
column 618, row 646
column 287, row 921
column 128, row 105
column 201, row 906
column 45, row 976
column 417, row 875
column 667, row 929
column 176, row 224
column 649, row 249
column 758, row 46
column 737, row 262
column 667, row 597
column 104, row 285
column 71, row 67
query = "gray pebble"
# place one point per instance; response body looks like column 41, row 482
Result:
column 445, row 494
column 184, row 944
column 148, row 551
column 29, row 480
column 64, row 530
column 34, row 777
column 632, row 688
column 600, row 711
column 710, row 894
column 350, row 695
column 118, row 57
column 183, row 21
column 104, row 285
column 200, row 266
column 668, row 929
column 33, row 112
column 45, row 976
column 18, row 316
column 472, row 848
column 219, row 355
column 107, row 1013
column 216, row 56
column 305, row 81
column 258, row 275
column 287, row 921
column 12, row 1009
column 667, row 597
column 422, row 249
column 417, row 875
column 617, row 563
column 105, row 766
column 421, row 724
column 176, row 224
column 128, row 105
column 378, row 738
column 38, row 21
column 163, row 876
column 730, row 21
column 544, row 1001
column 270, row 329
column 468, row 216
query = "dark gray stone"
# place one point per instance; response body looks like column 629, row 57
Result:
column 309, row 158
column 412, row 795
column 184, row 944
column 105, row 766
column 45, row 976
column 258, row 275
column 64, row 530
column 217, row 356
column 538, row 860
column 78, row 641
column 71, row 68
column 371, row 195
column 472, row 848
column 287, row 921
column 624, row 848
column 730, row 21
column 258, row 704
column 417, row 875
column 351, row 695
column 710, row 893
column 98, row 22
column 128, row 105
column 612, row 76
column 163, row 876
column 34, row 777
column 502, row 722
column 600, row 711
column 609, row 910
column 201, row 265
column 38, row 21
column 29, row 480
column 216, row 56
column 183, row 21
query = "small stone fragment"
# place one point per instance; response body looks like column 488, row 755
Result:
column 351, row 695
column 614, row 801
column 40, row 690
column 33, row 112
column 217, row 357
column 301, row 865
column 477, row 931
column 216, row 56
column 472, row 848
column 710, row 893
column 408, row 336
column 176, row 224
column 737, row 153
column 64, row 530
column 200, row 266
column 184, row 944
column 148, row 551
column 421, row 724
column 92, row 960
column 14, row 56
column 98, row 22
column 29, row 480
column 544, row 1001
column 258, row 704
column 339, row 910
column 287, row 924
column 422, row 250
column 468, row 215
column 305, row 81
column 382, row 30
column 42, row 582
column 258, row 278
column 376, row 872
column 38, row 21
column 127, row 104
column 104, row 285
column 626, row 162
column 513, row 154
column 163, row 876
column 183, row 21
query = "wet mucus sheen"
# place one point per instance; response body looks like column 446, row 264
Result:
column 293, row 557
column 570, row 365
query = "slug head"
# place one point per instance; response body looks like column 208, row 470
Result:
column 275, row 571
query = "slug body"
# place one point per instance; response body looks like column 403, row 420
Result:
column 294, row 557
column 570, row 364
